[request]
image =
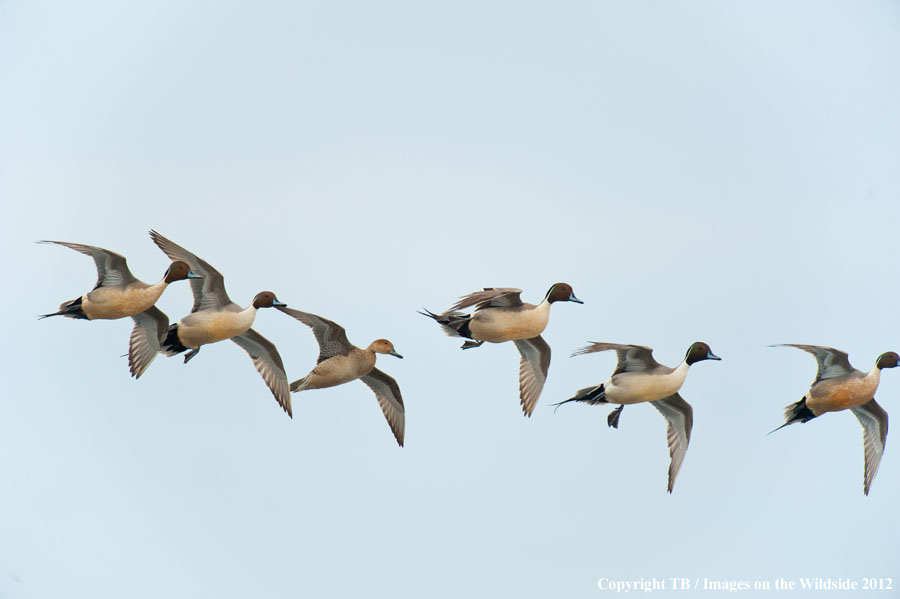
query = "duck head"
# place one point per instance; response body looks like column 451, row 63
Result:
column 178, row 271
column 888, row 360
column 562, row 292
column 383, row 346
column 267, row 299
column 698, row 352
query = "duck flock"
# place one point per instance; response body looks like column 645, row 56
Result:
column 499, row 315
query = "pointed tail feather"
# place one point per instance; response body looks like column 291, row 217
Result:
column 454, row 324
column 796, row 412
column 589, row 395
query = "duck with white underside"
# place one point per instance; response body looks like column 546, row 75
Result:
column 215, row 317
column 839, row 386
column 500, row 315
column 119, row 294
column 639, row 378
column 341, row 362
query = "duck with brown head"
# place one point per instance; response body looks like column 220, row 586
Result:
column 639, row 378
column 215, row 318
column 340, row 362
column 839, row 386
column 500, row 315
column 119, row 294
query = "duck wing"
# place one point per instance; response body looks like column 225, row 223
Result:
column 533, row 366
column 112, row 268
column 268, row 364
column 490, row 297
column 150, row 327
column 631, row 358
column 331, row 337
column 832, row 362
column 874, row 421
column 679, row 417
column 209, row 291
column 387, row 392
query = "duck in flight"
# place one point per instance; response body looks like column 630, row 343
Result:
column 341, row 362
column 839, row 386
column 640, row 378
column 119, row 294
column 215, row 317
column 500, row 315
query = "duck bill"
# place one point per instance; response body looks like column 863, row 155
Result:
column 192, row 275
column 394, row 353
column 712, row 356
column 572, row 298
column 277, row 304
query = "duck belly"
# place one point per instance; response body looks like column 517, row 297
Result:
column 638, row 387
column 206, row 326
column 496, row 325
column 833, row 395
column 338, row 370
column 111, row 303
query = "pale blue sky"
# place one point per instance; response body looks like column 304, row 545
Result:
column 712, row 171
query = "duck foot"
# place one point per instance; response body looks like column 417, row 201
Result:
column 191, row 354
column 613, row 418
column 471, row 344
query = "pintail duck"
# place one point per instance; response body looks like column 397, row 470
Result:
column 215, row 317
column 839, row 386
column 341, row 362
column 500, row 315
column 119, row 294
column 640, row 378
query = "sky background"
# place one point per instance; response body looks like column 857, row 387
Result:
column 699, row 170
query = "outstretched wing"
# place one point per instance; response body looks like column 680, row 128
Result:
column 331, row 337
column 533, row 367
column 680, row 420
column 631, row 358
column 112, row 268
column 490, row 297
column 269, row 365
column 388, row 394
column 209, row 291
column 150, row 326
column 874, row 421
column 832, row 362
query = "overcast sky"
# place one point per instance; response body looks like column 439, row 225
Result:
column 725, row 172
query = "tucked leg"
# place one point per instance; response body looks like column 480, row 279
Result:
column 613, row 418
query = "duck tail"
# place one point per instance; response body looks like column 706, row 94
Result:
column 796, row 412
column 455, row 324
column 590, row 395
column 70, row 309
column 171, row 345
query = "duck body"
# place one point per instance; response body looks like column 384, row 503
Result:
column 642, row 386
column 843, row 393
column 496, row 325
column 121, row 301
column 337, row 370
column 211, row 326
